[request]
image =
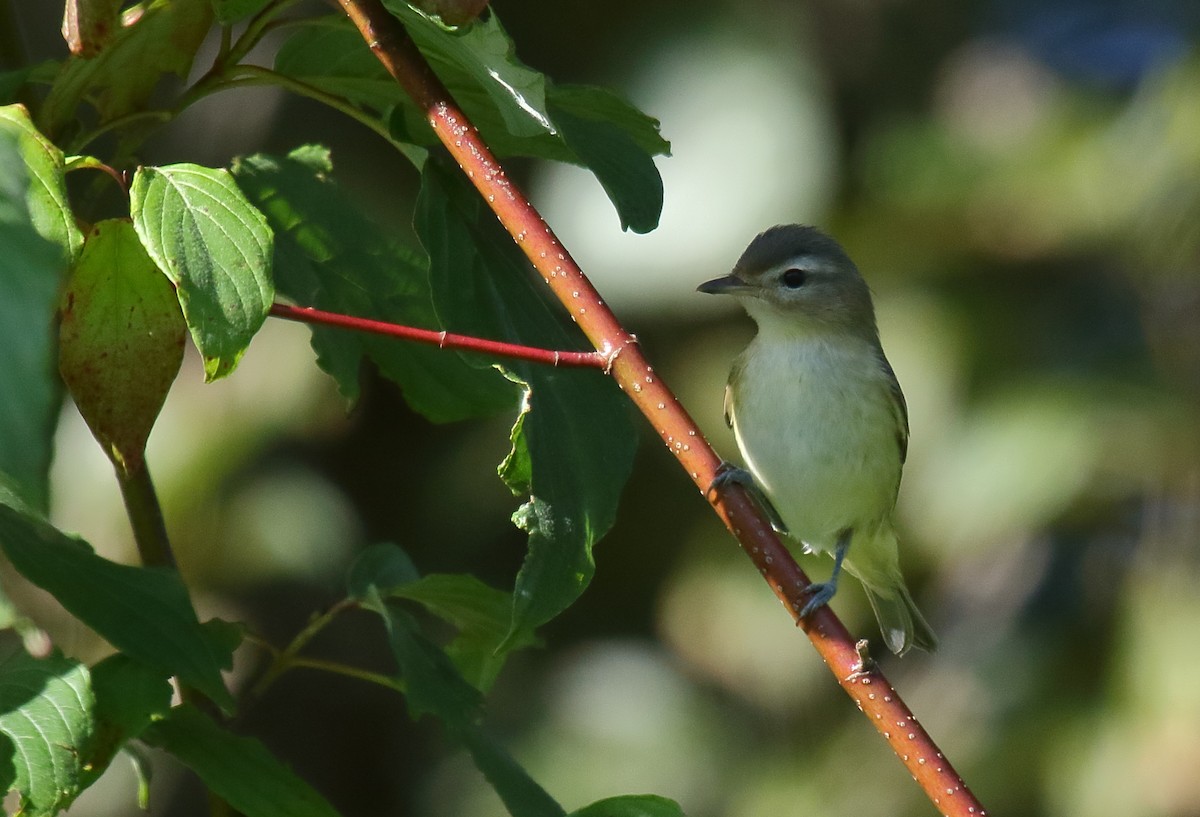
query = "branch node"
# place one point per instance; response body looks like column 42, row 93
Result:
column 610, row 353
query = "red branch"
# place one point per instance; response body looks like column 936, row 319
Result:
column 866, row 685
column 445, row 340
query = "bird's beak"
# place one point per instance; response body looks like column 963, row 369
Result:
column 729, row 285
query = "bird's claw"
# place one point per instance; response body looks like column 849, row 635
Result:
column 819, row 595
column 730, row 474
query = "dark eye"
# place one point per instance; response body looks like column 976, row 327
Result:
column 794, row 278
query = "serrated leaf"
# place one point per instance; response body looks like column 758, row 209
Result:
column 521, row 794
column 631, row 805
column 162, row 38
column 39, row 237
column 121, row 338
column 237, row 769
column 215, row 246
column 144, row 612
column 230, row 11
column 332, row 257
column 45, row 726
column 578, row 431
column 482, row 616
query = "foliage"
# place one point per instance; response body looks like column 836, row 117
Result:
column 202, row 251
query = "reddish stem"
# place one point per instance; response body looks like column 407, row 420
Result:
column 866, row 685
column 446, row 340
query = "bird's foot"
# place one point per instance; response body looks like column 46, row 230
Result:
column 819, row 595
column 730, row 474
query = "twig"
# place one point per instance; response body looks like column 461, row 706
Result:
column 145, row 516
column 446, row 340
column 866, row 685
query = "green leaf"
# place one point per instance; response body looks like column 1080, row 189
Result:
column 162, row 39
column 121, row 338
column 380, row 569
column 144, row 612
column 39, row 238
column 432, row 683
column 482, row 616
column 230, row 11
column 216, row 248
column 521, row 795
column 45, row 726
column 484, row 52
column 239, row 770
column 625, row 171
column 578, row 432
column 129, row 695
column 329, row 53
column 331, row 257
column 599, row 130
column 631, row 805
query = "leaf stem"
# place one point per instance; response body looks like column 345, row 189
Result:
column 863, row 681
column 145, row 516
column 445, row 340
column 288, row 657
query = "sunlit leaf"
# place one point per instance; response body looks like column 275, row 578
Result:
column 39, row 237
column 215, row 246
column 45, row 727
column 332, row 257
column 121, row 338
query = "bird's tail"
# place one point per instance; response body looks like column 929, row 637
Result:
column 900, row 621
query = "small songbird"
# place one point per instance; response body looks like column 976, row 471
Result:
column 820, row 419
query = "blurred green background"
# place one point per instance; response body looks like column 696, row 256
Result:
column 1019, row 182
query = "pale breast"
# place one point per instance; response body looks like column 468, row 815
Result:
column 816, row 424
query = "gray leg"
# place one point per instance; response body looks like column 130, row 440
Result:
column 821, row 592
column 729, row 473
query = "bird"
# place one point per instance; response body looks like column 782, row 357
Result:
column 820, row 419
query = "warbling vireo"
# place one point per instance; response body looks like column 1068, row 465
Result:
column 820, row 419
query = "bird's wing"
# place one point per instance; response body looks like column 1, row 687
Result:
column 729, row 404
column 900, row 408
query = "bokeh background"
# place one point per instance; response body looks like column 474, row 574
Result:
column 1020, row 183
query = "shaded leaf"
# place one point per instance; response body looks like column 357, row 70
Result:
column 631, row 805
column 129, row 694
column 432, row 683
column 522, row 796
column 482, row 616
column 215, row 246
column 380, row 570
column 39, row 237
column 578, row 432
column 121, row 338
column 160, row 38
column 331, row 257
column 237, row 769
column 45, row 725
column 144, row 612
column 230, row 11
